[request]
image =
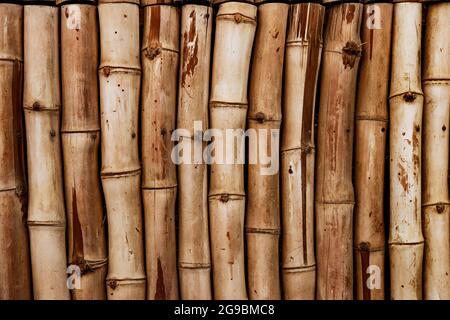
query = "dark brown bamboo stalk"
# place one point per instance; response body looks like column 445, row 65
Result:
column 80, row 140
column 302, row 63
column 370, row 150
column 334, row 189
column 159, row 55
column 194, row 258
column 15, row 278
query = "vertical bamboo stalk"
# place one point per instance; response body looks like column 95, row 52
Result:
column 41, row 101
column 264, row 117
column 14, row 251
column 370, row 147
column 235, row 31
column 159, row 55
column 303, row 56
column 334, row 189
column 436, row 87
column 194, row 258
column 80, row 140
column 119, row 79
column 406, row 103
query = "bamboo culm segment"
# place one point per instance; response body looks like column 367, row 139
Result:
column 41, row 101
column 80, row 134
column 194, row 258
column 302, row 62
column 334, row 189
column 370, row 149
column 436, row 87
column 159, row 55
column 234, row 34
column 119, row 80
column 15, row 275
column 405, row 135
column 263, row 205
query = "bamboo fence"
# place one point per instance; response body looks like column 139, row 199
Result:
column 217, row 149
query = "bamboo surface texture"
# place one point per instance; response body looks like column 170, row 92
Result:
column 119, row 81
column 370, row 146
column 435, row 202
column 406, row 103
column 80, row 134
column 234, row 35
column 303, row 54
column 264, row 116
column 194, row 258
column 15, row 277
column 334, row 189
column 42, row 105
column 160, row 54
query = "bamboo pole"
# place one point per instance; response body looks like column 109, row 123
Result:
column 80, row 134
column 303, row 56
column 406, row 103
column 194, row 258
column 15, row 276
column 159, row 55
column 235, row 31
column 334, row 189
column 436, row 87
column 41, row 102
column 119, row 79
column 262, row 224
column 370, row 147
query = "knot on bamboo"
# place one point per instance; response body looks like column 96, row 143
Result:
column 440, row 208
column 260, row 117
column 409, row 96
column 237, row 17
column 106, row 71
column 152, row 53
column 350, row 53
column 224, row 197
column 112, row 284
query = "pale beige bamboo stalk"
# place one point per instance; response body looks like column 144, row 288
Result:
column 406, row 103
column 41, row 102
column 370, row 148
column 235, row 31
column 303, row 56
column 436, row 87
column 15, row 279
column 80, row 140
column 334, row 189
column 119, row 80
column 262, row 224
column 159, row 55
column 194, row 258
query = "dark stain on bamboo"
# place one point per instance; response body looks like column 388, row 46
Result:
column 155, row 26
column 190, row 61
column 364, row 250
column 160, row 293
column 77, row 233
column 18, row 129
column 350, row 13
